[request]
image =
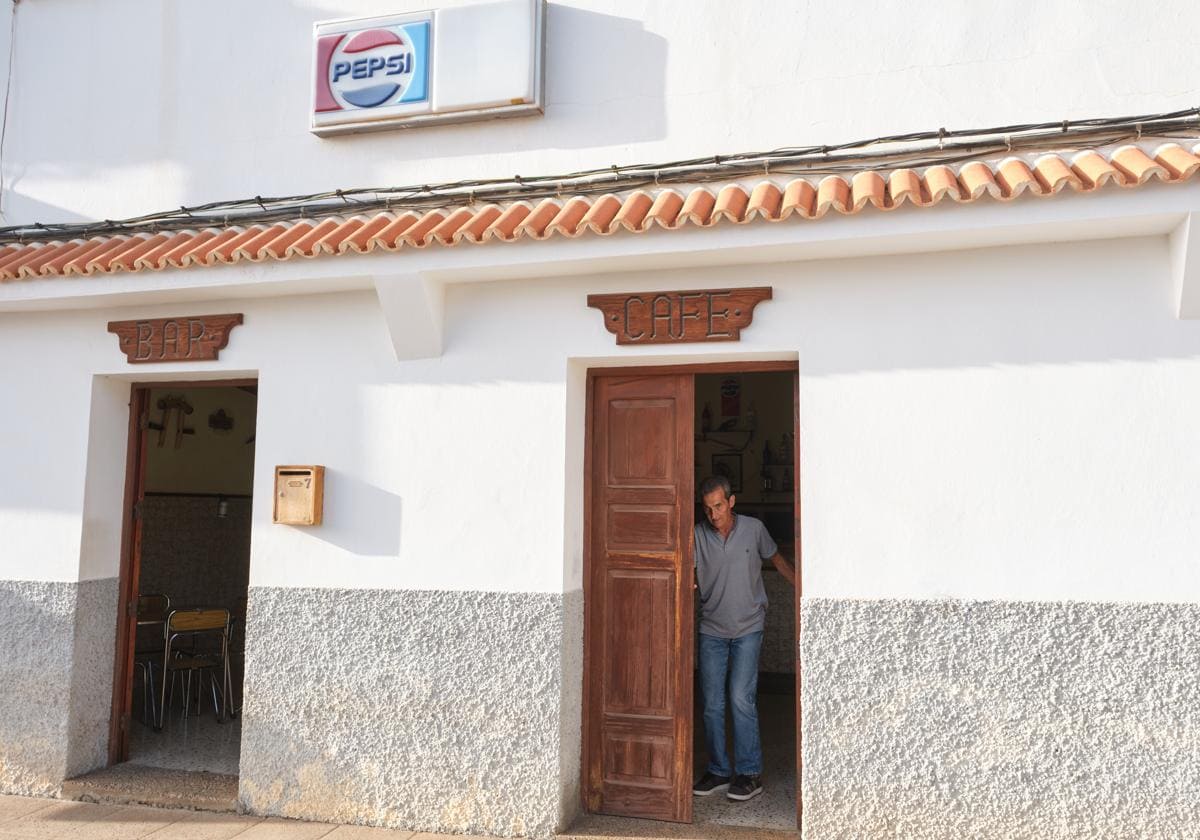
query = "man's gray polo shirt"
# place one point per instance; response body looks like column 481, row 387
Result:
column 733, row 601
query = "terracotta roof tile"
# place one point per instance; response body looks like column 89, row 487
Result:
column 389, row 237
column 202, row 253
column 29, row 267
column 1137, row 166
column 98, row 260
column 478, row 224
column 280, row 246
column 309, row 245
column 631, row 216
column 697, row 208
column 635, row 212
column 1094, row 169
column 360, row 239
column 417, row 235
column 569, row 218
column 600, row 215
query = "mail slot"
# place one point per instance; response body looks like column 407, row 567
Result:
column 299, row 495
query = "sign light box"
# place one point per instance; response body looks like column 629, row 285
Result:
column 473, row 62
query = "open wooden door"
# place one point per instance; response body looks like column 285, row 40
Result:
column 638, row 677
column 131, row 553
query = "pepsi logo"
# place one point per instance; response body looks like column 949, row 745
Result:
column 372, row 68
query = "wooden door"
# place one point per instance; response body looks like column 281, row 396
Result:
column 131, row 553
column 638, row 673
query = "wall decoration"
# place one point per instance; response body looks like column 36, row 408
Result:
column 176, row 406
column 729, row 465
column 220, row 422
column 679, row 317
column 189, row 338
column 731, row 397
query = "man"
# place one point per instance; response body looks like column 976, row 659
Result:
column 733, row 610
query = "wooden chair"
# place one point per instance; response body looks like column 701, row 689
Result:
column 198, row 625
column 152, row 611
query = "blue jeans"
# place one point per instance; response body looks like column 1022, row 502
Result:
column 739, row 659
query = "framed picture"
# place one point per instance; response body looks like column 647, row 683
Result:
column 729, row 465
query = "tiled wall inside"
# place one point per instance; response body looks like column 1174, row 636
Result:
column 191, row 554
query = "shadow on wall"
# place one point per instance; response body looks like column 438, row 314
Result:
column 605, row 86
column 591, row 107
column 605, row 83
column 359, row 517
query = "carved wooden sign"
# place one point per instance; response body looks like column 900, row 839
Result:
column 194, row 338
column 678, row 317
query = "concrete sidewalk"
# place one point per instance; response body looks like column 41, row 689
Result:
column 31, row 818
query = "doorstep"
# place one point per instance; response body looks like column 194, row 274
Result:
column 135, row 784
column 596, row 826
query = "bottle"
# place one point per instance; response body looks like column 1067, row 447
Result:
column 787, row 479
column 706, row 420
column 766, row 461
column 751, row 418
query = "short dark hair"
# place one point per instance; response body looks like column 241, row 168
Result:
column 716, row 482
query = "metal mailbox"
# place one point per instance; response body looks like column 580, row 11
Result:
column 299, row 495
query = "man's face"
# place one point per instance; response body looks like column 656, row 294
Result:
column 719, row 509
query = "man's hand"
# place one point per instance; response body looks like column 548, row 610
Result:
column 784, row 567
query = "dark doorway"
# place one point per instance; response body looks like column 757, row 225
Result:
column 745, row 430
column 184, row 578
column 648, row 444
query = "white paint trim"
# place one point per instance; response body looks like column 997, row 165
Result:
column 1185, row 267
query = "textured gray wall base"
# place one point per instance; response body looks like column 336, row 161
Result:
column 950, row 719
column 56, row 668
column 93, row 662
column 570, row 711
column 440, row 711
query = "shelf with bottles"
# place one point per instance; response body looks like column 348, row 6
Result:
column 776, row 476
column 737, row 440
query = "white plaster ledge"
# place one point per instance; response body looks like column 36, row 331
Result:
column 413, row 305
column 1185, row 267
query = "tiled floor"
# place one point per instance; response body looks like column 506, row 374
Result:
column 188, row 743
column 775, row 808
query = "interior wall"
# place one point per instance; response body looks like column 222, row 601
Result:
column 767, row 398
column 192, row 555
column 211, row 459
column 196, row 544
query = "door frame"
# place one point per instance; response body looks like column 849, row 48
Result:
column 588, row 442
column 120, row 718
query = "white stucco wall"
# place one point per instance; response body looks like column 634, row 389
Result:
column 1002, row 423
column 126, row 107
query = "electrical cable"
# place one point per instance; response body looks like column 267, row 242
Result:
column 12, row 48
column 910, row 150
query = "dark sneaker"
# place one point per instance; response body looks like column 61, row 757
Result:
column 710, row 784
column 745, row 787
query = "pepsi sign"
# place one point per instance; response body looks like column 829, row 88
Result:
column 372, row 69
column 470, row 61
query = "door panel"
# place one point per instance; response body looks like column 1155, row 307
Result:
column 639, row 603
